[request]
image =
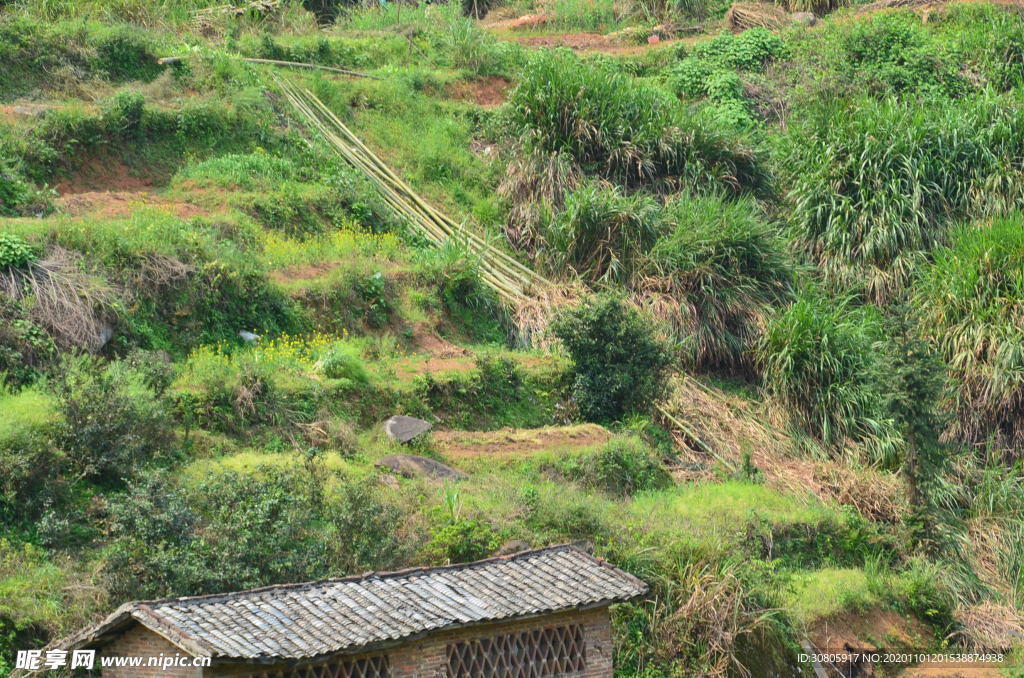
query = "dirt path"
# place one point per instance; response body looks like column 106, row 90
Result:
column 487, row 91
column 512, row 443
column 120, row 204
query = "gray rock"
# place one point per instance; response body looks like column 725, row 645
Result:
column 803, row 18
column 403, row 429
column 410, row 466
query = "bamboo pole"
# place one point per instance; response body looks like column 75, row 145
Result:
column 508, row 277
column 276, row 62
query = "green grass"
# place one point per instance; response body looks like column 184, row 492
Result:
column 726, row 508
column 24, row 414
column 822, row 593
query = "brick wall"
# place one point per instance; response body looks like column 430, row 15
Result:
column 428, row 658
column 139, row 641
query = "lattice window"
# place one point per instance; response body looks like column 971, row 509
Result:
column 366, row 667
column 538, row 653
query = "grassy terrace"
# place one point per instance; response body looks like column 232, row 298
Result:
column 779, row 375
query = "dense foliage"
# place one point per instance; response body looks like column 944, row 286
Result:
column 619, row 365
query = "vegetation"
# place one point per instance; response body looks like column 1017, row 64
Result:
column 742, row 310
column 618, row 364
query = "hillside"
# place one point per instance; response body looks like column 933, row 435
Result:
column 743, row 309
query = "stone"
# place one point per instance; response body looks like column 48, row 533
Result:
column 402, row 429
column 803, row 18
column 411, row 466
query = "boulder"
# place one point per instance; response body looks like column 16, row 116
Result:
column 803, row 18
column 411, row 466
column 402, row 429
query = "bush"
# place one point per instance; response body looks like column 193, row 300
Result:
column 15, row 252
column 751, row 50
column 970, row 303
column 113, row 423
column 124, row 54
column 622, row 467
column 461, row 540
column 821, row 364
column 171, row 540
column 368, row 529
column 341, row 362
column 619, row 366
column 895, row 53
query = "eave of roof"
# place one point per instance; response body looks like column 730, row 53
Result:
column 147, row 612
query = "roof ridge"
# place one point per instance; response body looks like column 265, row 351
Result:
column 393, row 574
column 376, row 607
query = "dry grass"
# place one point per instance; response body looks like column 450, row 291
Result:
column 76, row 308
column 724, row 427
column 708, row 617
column 744, row 15
column 989, row 627
column 535, row 181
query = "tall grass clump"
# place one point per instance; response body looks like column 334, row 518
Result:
column 715, row 277
column 873, row 188
column 821, row 365
column 622, row 130
column 600, row 234
column 971, row 305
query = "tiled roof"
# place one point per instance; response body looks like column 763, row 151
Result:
column 300, row 621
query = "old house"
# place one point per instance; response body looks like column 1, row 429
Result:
column 536, row 613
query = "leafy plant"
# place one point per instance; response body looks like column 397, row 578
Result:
column 621, row 467
column 15, row 252
column 619, row 365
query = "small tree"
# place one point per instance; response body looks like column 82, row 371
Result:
column 619, row 364
column 917, row 381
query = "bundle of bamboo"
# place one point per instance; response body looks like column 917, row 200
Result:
column 514, row 283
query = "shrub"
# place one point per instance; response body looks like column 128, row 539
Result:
column 820, row 360
column 124, row 54
column 619, row 366
column 341, row 362
column 113, row 423
column 895, row 53
column 15, row 252
column 17, row 196
column 173, row 540
column 622, row 467
column 368, row 529
column 970, row 304
column 716, row 278
column 461, row 540
column 751, row 50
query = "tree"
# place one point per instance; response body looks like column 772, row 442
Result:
column 917, row 382
column 619, row 365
